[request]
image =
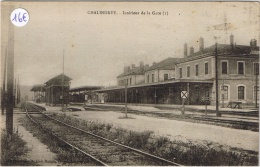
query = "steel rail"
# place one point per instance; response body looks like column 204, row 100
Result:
column 95, row 108
column 124, row 146
column 234, row 122
column 67, row 143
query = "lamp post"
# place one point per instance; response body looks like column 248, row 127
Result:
column 216, row 77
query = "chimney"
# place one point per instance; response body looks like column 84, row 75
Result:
column 128, row 68
column 191, row 50
column 185, row 50
column 253, row 45
column 132, row 66
column 201, row 43
column 231, row 40
column 146, row 66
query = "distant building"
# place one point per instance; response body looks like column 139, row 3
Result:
column 54, row 88
column 162, row 71
column 132, row 75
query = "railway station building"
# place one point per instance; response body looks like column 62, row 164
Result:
column 162, row 83
column 54, row 88
column 238, row 70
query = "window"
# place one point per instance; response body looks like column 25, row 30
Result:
column 206, row 68
column 180, row 72
column 241, row 92
column 147, row 78
column 256, row 68
column 224, row 66
column 130, row 81
column 240, row 67
column 127, row 81
column 152, row 77
column 196, row 69
column 256, row 88
column 188, row 71
column 224, row 92
column 166, row 76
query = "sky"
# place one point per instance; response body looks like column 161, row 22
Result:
column 96, row 47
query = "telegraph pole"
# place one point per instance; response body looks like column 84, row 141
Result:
column 10, row 80
column 62, row 82
column 125, row 99
column 216, row 76
column 256, row 78
column 3, row 105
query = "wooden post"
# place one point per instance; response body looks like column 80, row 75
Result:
column 154, row 95
column 10, row 80
column 3, row 90
column 125, row 100
column 216, row 78
column 188, row 90
column 206, row 108
column 62, row 100
column 256, row 78
column 183, row 106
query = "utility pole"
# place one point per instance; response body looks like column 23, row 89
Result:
column 62, row 82
column 3, row 105
column 14, row 92
column 222, row 94
column 18, row 91
column 216, row 76
column 125, row 99
column 10, row 80
column 256, row 78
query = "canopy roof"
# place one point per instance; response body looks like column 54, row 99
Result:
column 36, row 88
column 85, row 88
column 58, row 80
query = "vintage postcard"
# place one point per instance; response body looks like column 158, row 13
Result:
column 129, row 83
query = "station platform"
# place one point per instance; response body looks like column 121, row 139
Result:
column 152, row 107
column 248, row 115
column 163, row 107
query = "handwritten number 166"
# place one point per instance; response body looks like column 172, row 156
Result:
column 19, row 17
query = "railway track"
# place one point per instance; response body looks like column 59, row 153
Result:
column 101, row 150
column 220, row 121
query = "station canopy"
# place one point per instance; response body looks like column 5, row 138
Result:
column 37, row 88
column 85, row 88
column 58, row 80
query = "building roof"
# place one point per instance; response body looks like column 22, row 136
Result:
column 134, row 71
column 36, row 88
column 83, row 88
column 58, row 80
column 222, row 49
column 167, row 64
column 157, row 84
column 225, row 49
